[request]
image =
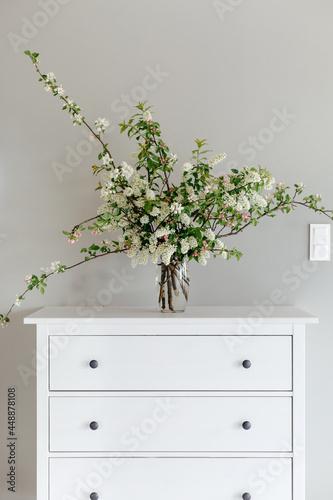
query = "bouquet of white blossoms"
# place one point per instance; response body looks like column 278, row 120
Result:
column 159, row 221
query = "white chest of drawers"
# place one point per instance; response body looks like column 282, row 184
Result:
column 137, row 405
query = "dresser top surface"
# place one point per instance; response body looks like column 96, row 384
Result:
column 150, row 315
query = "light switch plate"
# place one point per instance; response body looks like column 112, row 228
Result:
column 320, row 242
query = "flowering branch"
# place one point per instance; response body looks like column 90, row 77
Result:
column 159, row 221
column 50, row 85
column 40, row 283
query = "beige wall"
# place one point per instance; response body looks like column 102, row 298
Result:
column 224, row 73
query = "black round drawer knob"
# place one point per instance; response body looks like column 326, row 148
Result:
column 246, row 496
column 93, row 426
column 246, row 363
column 93, row 363
column 246, row 425
column 94, row 496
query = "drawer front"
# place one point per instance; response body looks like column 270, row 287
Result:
column 170, row 478
column 170, row 424
column 167, row 363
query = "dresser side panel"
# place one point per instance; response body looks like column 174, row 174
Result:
column 299, row 412
column 42, row 412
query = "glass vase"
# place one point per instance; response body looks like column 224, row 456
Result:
column 173, row 284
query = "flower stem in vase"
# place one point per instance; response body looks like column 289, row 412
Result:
column 172, row 286
column 170, row 298
column 161, row 299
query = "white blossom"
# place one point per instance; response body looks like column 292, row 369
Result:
column 167, row 254
column 126, row 170
column 144, row 256
column 259, row 200
column 60, row 91
column 187, row 167
column 173, row 158
column 209, row 234
column 184, row 246
column 152, row 244
column 55, row 266
column 135, row 260
column 243, row 203
column 176, row 208
column 228, row 186
column 107, row 159
column 219, row 244
column 209, row 188
column 150, row 195
column 77, row 118
column 154, row 258
column 269, row 181
column 50, row 76
column 102, row 209
column 147, row 116
column 230, row 200
column 101, row 124
column 139, row 203
column 205, row 253
column 202, row 260
column 185, row 219
column 105, row 194
column 251, row 176
column 192, row 242
column 193, row 197
column 155, row 212
column 162, row 231
column 144, row 219
column 17, row 301
column 216, row 159
column 128, row 191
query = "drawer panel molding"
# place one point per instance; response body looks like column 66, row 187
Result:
column 165, row 479
column 171, row 363
column 171, row 424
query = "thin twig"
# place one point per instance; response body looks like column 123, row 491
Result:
column 67, row 269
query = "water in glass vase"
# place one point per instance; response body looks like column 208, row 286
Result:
column 173, row 284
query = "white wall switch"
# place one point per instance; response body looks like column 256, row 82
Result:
column 320, row 242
